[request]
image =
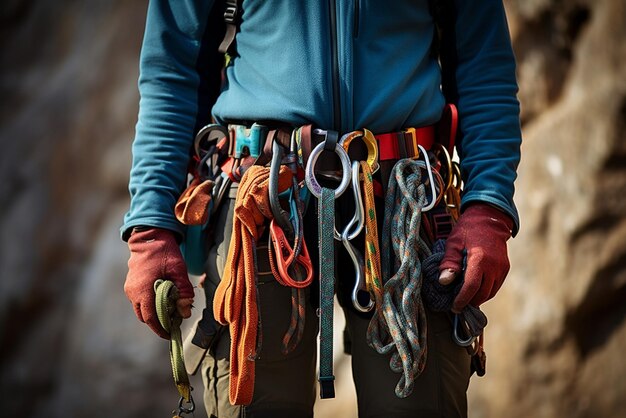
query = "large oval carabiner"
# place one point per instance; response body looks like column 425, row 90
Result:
column 309, row 177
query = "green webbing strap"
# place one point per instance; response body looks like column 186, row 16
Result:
column 327, row 289
column 166, row 297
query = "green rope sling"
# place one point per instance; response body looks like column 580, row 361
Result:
column 166, row 297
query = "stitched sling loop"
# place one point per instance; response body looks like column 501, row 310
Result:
column 166, row 296
column 399, row 322
column 326, row 231
column 372, row 251
column 236, row 297
column 326, row 226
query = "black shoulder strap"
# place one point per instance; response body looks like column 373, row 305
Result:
column 232, row 18
column 444, row 14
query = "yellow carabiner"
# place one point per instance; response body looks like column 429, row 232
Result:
column 370, row 143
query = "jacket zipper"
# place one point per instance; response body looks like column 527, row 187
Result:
column 357, row 18
column 335, row 65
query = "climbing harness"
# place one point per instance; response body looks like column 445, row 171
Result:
column 421, row 196
column 166, row 296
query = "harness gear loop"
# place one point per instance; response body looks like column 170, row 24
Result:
column 166, row 295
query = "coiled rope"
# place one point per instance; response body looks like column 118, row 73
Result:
column 399, row 322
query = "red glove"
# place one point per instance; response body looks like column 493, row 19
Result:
column 482, row 231
column 154, row 254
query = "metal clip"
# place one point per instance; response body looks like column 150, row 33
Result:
column 309, row 177
column 249, row 139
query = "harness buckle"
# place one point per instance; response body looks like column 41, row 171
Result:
column 230, row 14
column 250, row 139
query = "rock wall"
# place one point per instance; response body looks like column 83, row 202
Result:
column 558, row 325
column 69, row 343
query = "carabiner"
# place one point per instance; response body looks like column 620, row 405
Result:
column 280, row 215
column 185, row 410
column 455, row 334
column 351, row 231
column 431, row 180
column 439, row 150
column 206, row 137
column 309, row 177
column 370, row 142
column 359, row 210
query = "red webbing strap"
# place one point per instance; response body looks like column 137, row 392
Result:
column 447, row 128
column 398, row 145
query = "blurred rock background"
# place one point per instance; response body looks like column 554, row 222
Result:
column 69, row 343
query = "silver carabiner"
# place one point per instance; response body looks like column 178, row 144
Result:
column 431, row 180
column 309, row 177
column 351, row 231
column 359, row 211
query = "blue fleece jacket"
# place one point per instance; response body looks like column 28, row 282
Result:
column 339, row 64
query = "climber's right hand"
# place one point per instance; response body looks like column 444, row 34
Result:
column 154, row 254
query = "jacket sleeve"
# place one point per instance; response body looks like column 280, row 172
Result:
column 488, row 105
column 179, row 80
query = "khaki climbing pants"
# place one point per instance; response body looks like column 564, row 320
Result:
column 285, row 385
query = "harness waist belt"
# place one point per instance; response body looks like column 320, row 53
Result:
column 398, row 145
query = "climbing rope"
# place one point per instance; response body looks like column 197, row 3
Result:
column 399, row 322
column 166, row 295
column 439, row 297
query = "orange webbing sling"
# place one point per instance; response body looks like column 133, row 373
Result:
column 235, row 300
